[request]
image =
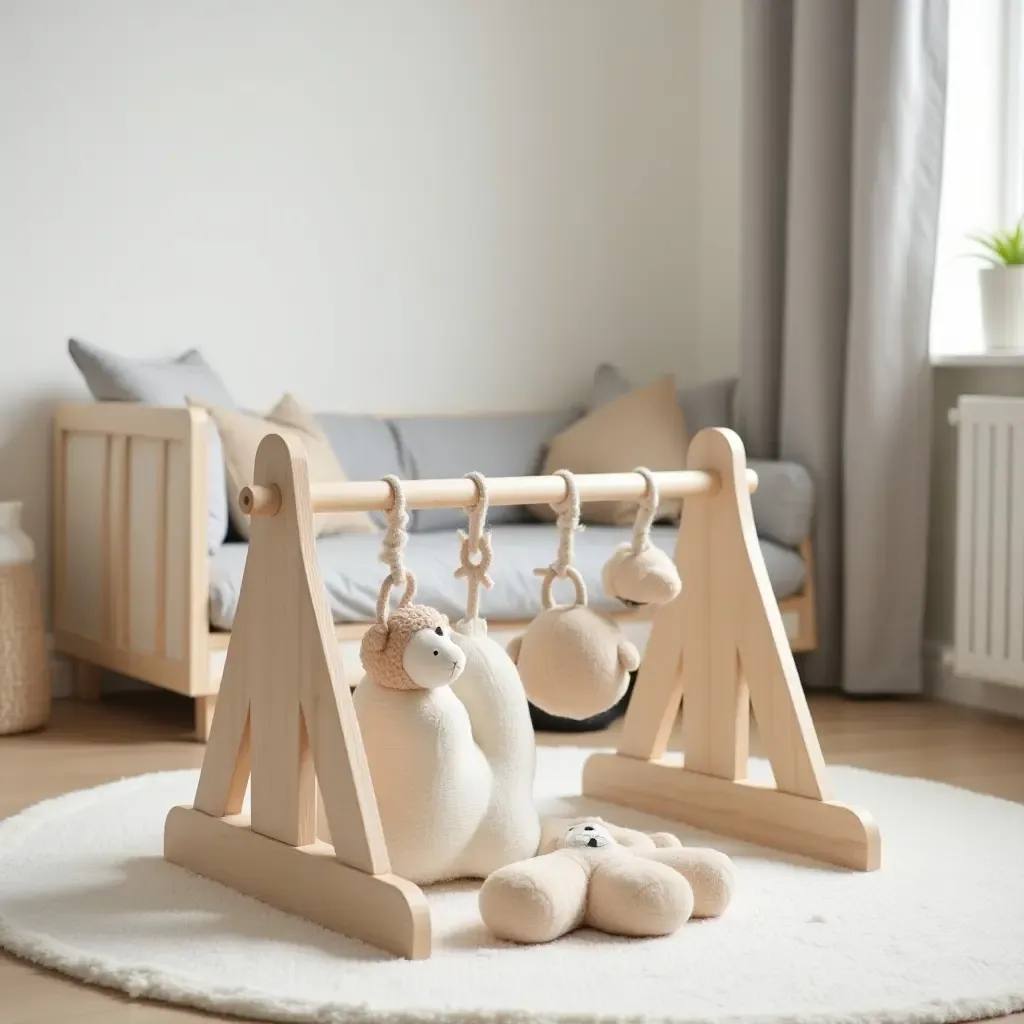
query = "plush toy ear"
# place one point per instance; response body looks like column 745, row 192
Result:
column 513, row 648
column 376, row 637
column 663, row 840
column 629, row 656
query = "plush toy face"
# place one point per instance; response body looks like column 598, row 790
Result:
column 590, row 836
column 432, row 658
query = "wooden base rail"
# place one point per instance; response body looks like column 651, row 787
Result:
column 285, row 718
column 375, row 495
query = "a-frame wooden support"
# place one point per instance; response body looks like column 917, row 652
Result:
column 285, row 718
column 718, row 649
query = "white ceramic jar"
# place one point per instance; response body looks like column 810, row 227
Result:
column 15, row 544
column 24, row 672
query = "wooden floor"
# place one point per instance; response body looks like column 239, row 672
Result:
column 130, row 734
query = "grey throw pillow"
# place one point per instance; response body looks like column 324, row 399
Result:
column 114, row 378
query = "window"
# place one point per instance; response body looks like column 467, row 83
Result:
column 983, row 160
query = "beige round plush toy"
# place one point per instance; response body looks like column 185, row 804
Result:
column 594, row 874
column 638, row 573
column 574, row 662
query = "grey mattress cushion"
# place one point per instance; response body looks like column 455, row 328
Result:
column 114, row 378
column 352, row 572
column 438, row 447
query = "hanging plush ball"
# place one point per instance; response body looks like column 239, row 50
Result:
column 574, row 662
column 638, row 573
column 638, row 578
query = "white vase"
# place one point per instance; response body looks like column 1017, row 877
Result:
column 1002, row 307
column 24, row 672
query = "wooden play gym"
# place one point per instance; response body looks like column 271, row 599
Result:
column 313, row 843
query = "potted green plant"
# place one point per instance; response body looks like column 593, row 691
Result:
column 1002, row 287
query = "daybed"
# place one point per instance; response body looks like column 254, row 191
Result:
column 142, row 587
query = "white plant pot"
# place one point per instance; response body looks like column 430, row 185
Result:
column 1002, row 307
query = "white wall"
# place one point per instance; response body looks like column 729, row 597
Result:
column 717, row 309
column 377, row 205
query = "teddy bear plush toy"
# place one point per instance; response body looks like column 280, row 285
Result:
column 594, row 874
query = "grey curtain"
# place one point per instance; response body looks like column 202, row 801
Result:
column 843, row 125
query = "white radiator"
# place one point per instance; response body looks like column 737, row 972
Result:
column 989, row 633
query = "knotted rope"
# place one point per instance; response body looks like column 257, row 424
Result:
column 475, row 554
column 568, row 522
column 395, row 539
column 645, row 513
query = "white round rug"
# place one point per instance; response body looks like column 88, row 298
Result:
column 936, row 935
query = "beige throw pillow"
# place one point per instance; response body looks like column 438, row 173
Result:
column 644, row 427
column 241, row 434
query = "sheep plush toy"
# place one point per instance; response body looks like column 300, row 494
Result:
column 446, row 730
column 617, row 880
column 431, row 780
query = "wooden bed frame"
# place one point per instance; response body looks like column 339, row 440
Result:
column 286, row 721
column 130, row 568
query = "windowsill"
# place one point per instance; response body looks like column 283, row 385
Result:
column 992, row 360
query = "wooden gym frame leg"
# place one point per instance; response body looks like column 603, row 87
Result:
column 203, row 708
column 723, row 643
column 284, row 719
column 85, row 680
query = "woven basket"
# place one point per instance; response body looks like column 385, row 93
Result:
column 24, row 669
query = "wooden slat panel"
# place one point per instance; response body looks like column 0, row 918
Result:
column 147, row 525
column 176, row 610
column 83, row 588
column 58, row 563
column 117, row 525
column 160, row 568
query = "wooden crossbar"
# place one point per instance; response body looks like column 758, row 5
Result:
column 375, row 495
column 285, row 721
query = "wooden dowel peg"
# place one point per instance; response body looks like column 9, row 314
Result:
column 260, row 501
